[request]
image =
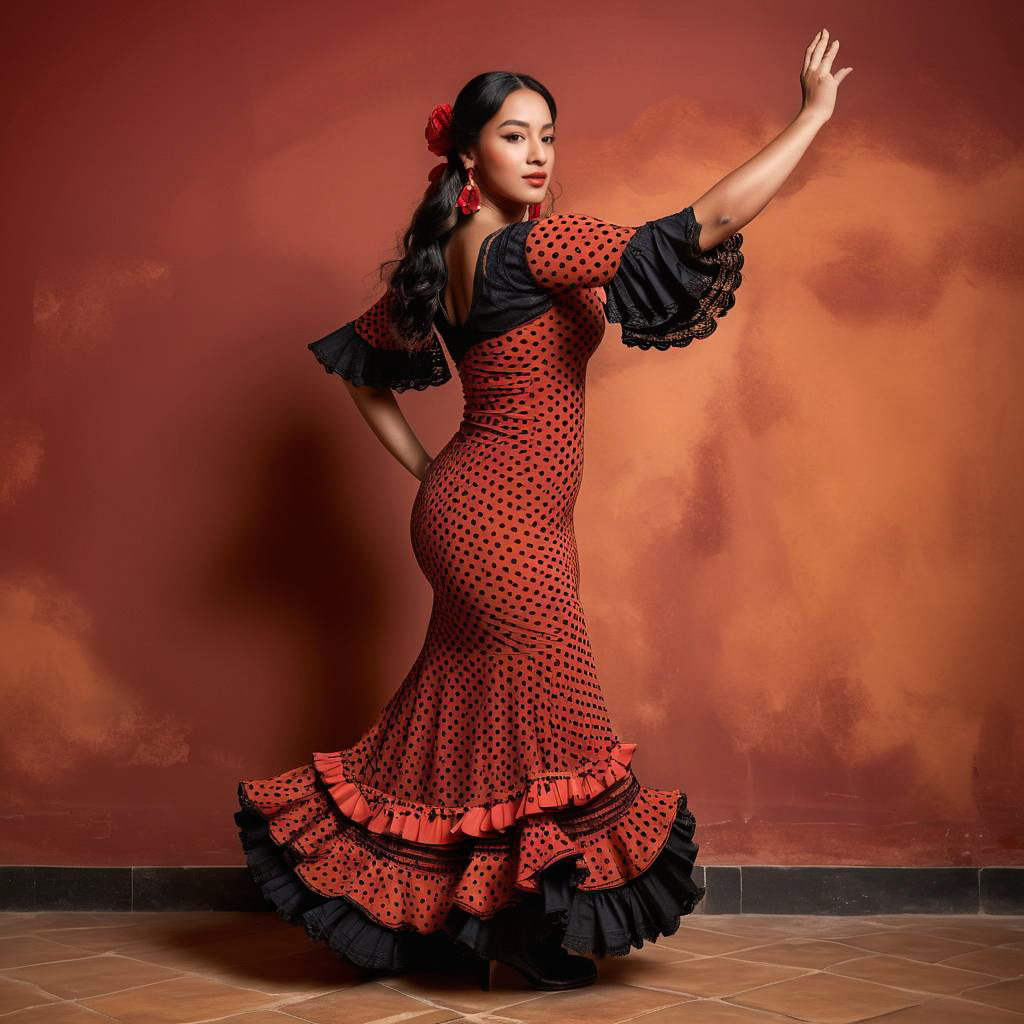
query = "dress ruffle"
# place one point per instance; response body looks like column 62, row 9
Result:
column 426, row 823
column 432, row 915
column 609, row 922
column 346, row 352
column 665, row 291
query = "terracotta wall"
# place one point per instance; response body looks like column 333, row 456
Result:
column 799, row 539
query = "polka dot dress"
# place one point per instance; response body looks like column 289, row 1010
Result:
column 497, row 757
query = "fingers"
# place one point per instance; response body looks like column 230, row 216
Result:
column 820, row 48
column 810, row 50
column 813, row 55
column 826, row 64
column 841, row 74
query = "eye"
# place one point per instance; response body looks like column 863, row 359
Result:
column 519, row 135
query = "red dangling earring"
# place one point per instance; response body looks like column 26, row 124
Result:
column 469, row 197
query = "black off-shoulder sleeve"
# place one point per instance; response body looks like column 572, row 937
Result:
column 665, row 291
column 364, row 352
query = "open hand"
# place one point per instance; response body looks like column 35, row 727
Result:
column 817, row 81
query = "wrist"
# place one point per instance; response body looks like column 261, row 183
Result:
column 810, row 115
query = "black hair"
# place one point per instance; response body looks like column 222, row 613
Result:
column 419, row 276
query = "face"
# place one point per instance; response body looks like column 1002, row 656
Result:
column 518, row 141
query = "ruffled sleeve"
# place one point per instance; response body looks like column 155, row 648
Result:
column 665, row 291
column 366, row 352
column 659, row 286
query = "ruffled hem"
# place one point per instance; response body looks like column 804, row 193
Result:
column 347, row 353
column 666, row 291
column 608, row 922
column 605, row 922
column 383, row 813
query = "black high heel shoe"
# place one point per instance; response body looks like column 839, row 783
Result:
column 544, row 965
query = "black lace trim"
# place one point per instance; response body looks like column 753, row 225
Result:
column 345, row 352
column 666, row 292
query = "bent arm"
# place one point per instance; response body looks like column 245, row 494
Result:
column 743, row 193
column 380, row 409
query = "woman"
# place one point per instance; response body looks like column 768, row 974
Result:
column 490, row 813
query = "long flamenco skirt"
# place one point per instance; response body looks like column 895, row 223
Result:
column 607, row 874
column 492, row 800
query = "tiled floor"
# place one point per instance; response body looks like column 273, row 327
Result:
column 255, row 969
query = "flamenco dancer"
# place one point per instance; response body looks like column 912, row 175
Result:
column 490, row 812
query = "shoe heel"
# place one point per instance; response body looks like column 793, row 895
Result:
column 485, row 969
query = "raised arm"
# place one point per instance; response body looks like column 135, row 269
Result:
column 743, row 193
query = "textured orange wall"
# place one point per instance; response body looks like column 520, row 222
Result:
column 799, row 539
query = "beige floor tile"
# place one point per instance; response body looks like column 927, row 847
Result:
column 771, row 926
column 202, row 918
column 183, row 931
column 756, row 926
column 711, row 1011
column 708, row 976
column 462, row 992
column 369, row 1002
column 102, row 938
column 311, row 973
column 262, row 1017
column 1002, row 961
column 711, row 922
column 16, row 995
column 64, row 918
column 191, row 952
column 22, row 950
column 696, row 940
column 601, row 1003
column 58, row 1013
column 974, row 931
column 841, row 929
column 15, row 924
column 638, row 969
column 475, row 1019
column 949, row 1011
column 255, row 969
column 110, row 937
column 660, row 950
column 909, row 920
column 181, row 999
column 90, row 976
column 912, row 944
column 626, row 970
column 1009, row 995
column 827, row 999
column 809, row 953
column 937, row 979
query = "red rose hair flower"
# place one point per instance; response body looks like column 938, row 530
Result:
column 438, row 131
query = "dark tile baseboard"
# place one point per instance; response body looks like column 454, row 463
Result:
column 749, row 889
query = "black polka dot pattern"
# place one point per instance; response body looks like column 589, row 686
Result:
column 575, row 251
column 496, row 756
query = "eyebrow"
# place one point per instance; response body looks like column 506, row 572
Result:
column 525, row 124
